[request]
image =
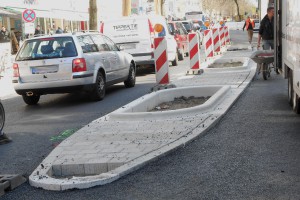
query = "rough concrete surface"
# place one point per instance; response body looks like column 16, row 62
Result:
column 109, row 148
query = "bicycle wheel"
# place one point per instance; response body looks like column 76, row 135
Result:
column 265, row 71
column 2, row 116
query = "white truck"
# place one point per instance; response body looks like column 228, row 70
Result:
column 194, row 15
column 287, row 40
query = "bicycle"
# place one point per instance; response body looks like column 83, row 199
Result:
column 264, row 58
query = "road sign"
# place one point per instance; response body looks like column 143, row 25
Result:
column 29, row 15
column 29, row 28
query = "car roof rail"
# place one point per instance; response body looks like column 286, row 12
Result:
column 39, row 35
column 84, row 31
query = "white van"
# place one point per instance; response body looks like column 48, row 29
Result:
column 136, row 35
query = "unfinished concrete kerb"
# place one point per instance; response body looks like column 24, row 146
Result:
column 50, row 176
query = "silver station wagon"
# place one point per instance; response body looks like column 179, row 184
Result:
column 66, row 63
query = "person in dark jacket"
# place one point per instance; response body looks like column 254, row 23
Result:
column 59, row 31
column 266, row 30
column 38, row 31
column 4, row 35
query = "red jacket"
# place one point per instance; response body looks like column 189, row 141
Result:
column 247, row 23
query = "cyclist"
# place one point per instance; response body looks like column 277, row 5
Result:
column 266, row 30
column 3, row 137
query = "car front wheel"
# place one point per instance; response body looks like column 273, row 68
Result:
column 175, row 61
column 180, row 54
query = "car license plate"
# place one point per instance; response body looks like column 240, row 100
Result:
column 129, row 46
column 44, row 69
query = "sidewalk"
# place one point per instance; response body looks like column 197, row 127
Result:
column 113, row 146
column 6, row 86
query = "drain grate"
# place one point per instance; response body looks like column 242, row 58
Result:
column 9, row 182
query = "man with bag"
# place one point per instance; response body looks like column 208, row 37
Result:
column 249, row 25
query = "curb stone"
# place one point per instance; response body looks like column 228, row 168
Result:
column 202, row 127
column 10, row 182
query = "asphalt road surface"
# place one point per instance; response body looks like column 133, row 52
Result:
column 252, row 153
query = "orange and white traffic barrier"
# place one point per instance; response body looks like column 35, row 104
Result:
column 227, row 36
column 208, row 43
column 222, row 36
column 194, row 51
column 161, row 61
column 216, row 40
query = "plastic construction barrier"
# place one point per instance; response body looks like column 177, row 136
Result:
column 216, row 40
column 227, row 36
column 161, row 61
column 194, row 51
column 208, row 43
column 222, row 36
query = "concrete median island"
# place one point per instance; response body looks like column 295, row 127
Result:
column 130, row 137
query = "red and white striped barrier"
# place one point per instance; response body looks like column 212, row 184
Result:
column 227, row 36
column 194, row 51
column 208, row 43
column 161, row 61
column 222, row 36
column 216, row 40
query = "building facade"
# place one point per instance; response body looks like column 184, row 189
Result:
column 49, row 14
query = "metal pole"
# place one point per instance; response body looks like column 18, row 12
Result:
column 276, row 34
column 259, row 10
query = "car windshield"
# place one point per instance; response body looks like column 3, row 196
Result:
column 187, row 26
column 201, row 23
column 47, row 48
column 171, row 27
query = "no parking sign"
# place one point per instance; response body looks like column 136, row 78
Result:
column 29, row 15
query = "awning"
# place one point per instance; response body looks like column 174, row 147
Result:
column 69, row 15
column 6, row 13
column 39, row 13
column 55, row 14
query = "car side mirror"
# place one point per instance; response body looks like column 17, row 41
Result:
column 121, row 47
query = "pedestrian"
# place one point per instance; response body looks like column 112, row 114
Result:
column 266, row 30
column 66, row 30
column 249, row 25
column 59, row 30
column 3, row 137
column 4, row 35
column 50, row 30
column 38, row 31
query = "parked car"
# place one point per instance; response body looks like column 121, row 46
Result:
column 136, row 34
column 199, row 24
column 189, row 26
column 181, row 36
column 66, row 63
column 257, row 25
